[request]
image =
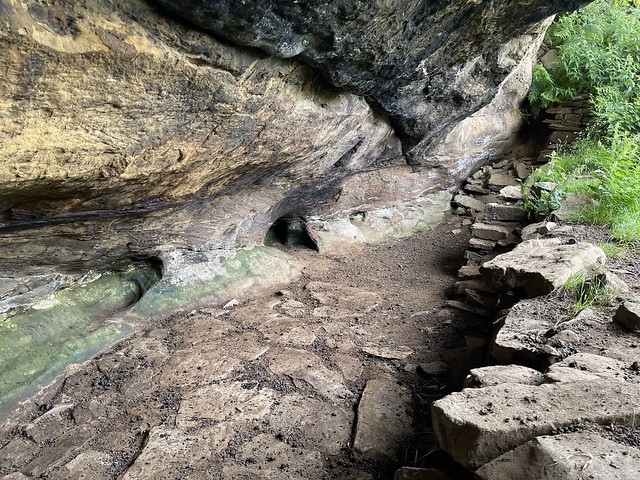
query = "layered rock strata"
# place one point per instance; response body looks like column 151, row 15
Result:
column 127, row 133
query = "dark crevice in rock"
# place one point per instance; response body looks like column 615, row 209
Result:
column 291, row 231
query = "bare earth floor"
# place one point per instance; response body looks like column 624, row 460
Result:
column 270, row 388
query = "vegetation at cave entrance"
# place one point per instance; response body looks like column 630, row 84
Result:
column 598, row 50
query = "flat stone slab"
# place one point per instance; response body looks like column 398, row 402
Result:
column 390, row 352
column 328, row 426
column 477, row 425
column 511, row 193
column 538, row 267
column 50, row 425
column 590, row 367
column 384, row 423
column 305, row 366
column 573, row 456
column 225, row 401
column 487, row 231
column 498, row 374
column 469, row 202
column 168, row 449
column 521, row 339
column 498, row 212
column 501, row 179
column 91, row 463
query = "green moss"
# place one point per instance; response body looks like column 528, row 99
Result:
column 246, row 269
column 37, row 343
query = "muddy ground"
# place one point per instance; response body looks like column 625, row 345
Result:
column 270, row 388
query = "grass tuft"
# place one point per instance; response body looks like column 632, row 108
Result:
column 589, row 289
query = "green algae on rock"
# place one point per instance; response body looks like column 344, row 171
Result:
column 196, row 277
column 38, row 342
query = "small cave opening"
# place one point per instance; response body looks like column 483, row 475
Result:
column 291, row 231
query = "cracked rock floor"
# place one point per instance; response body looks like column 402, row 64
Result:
column 271, row 387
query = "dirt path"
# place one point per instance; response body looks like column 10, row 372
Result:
column 270, row 388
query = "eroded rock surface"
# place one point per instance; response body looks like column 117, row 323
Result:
column 126, row 132
column 538, row 267
column 574, row 456
column 425, row 64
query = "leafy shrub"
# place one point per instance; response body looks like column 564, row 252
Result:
column 598, row 55
column 607, row 170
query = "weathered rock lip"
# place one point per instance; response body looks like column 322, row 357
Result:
column 404, row 53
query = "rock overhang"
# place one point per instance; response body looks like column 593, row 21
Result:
column 126, row 132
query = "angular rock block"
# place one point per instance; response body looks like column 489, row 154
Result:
column 590, row 367
column 526, row 336
column 384, row 423
column 491, row 232
column 498, row 212
column 628, row 315
column 469, row 202
column 574, row 456
column 498, row 374
column 476, row 426
column 538, row 267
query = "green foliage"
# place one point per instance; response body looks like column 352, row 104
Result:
column 544, row 90
column 598, row 55
column 607, row 171
column 614, row 249
column 589, row 289
column 542, row 196
column 615, row 111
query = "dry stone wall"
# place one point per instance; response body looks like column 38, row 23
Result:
column 566, row 380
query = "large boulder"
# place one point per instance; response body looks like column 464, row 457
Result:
column 538, row 267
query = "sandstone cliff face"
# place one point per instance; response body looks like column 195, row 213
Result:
column 123, row 132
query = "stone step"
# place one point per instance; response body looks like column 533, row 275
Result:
column 476, row 426
column 573, row 456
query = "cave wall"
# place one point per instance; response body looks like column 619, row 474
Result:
column 125, row 130
column 426, row 64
